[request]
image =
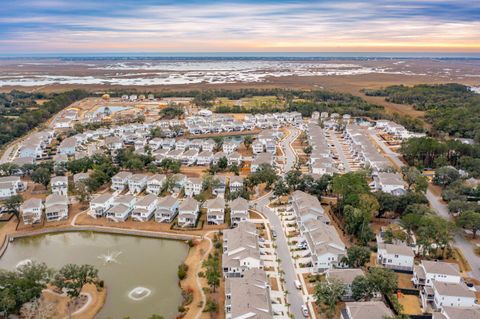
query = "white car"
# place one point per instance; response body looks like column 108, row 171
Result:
column 305, row 311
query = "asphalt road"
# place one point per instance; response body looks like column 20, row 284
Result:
column 294, row 295
column 290, row 156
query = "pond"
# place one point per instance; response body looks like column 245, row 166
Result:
column 140, row 273
column 112, row 109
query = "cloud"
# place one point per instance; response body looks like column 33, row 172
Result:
column 135, row 26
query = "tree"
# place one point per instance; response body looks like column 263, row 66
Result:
column 22, row 285
column 446, row 175
column 308, row 149
column 357, row 224
column 383, row 280
column 415, row 179
column 41, row 175
column 13, row 203
column 83, row 194
column 362, row 289
column 212, row 273
column 247, row 141
column 368, row 203
column 327, row 294
column 211, row 306
column 222, row 163
column 357, row 256
column 470, row 221
column 387, row 202
column 280, row 188
column 71, row 278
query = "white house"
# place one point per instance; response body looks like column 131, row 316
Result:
column 240, row 250
column 398, row 257
column 215, row 211
column 193, row 186
column 122, row 207
column 189, row 157
column 188, row 213
column 429, row 271
column 113, row 143
column 391, row 183
column 145, row 208
column 220, row 186
column 238, row 211
column 234, row 158
column 235, row 183
column 326, row 247
column 257, row 147
column 155, row 183
column 120, row 180
column 366, row 310
column 205, row 158
column 137, row 183
column 59, row 185
column 452, row 295
column 167, row 209
column 457, row 313
column 56, row 207
column 260, row 159
column 101, row 204
column 229, row 147
column 67, row 146
column 31, row 211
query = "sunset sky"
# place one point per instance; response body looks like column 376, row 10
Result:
column 94, row 26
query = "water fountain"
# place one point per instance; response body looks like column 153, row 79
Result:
column 22, row 263
column 110, row 257
column 139, row 293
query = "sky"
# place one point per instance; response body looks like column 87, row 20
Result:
column 96, row 26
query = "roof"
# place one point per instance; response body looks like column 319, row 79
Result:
column 54, row 199
column 124, row 199
column 458, row 313
column 167, row 201
column 146, row 200
column 138, row 177
column 440, row 267
column 195, row 180
column 101, row 199
column 215, row 203
column 59, row 179
column 31, row 203
column 390, row 179
column 345, row 275
column 189, row 204
column 239, row 203
column 122, row 175
column 236, row 179
column 392, row 249
column 157, row 177
column 250, row 296
column 452, row 289
column 368, row 310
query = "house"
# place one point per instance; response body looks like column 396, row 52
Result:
column 236, row 183
column 215, row 211
column 56, row 207
column 182, row 145
column 238, row 211
column 188, row 212
column 366, row 310
column 234, row 158
column 346, row 276
column 398, row 257
column 67, row 146
column 208, row 145
column 307, row 207
column 113, row 143
column 167, row 209
column 248, row 297
column 31, row 211
column 145, row 208
column 391, row 183
column 121, row 209
column 137, row 183
column 240, row 250
column 457, row 313
column 10, row 186
column 79, row 178
column 205, row 158
column 120, row 181
column 218, row 156
column 220, row 184
column 451, row 295
column 429, row 271
column 261, row 159
column 257, row 147
column 59, row 185
column 100, row 204
column 326, row 247
column 193, row 186
column 155, row 183
column 229, row 147
column 180, row 181
column 189, row 157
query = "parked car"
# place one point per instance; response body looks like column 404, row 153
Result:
column 298, row 285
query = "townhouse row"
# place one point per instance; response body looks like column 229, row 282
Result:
column 55, row 207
